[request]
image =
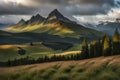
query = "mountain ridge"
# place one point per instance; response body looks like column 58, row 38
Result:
column 108, row 27
column 55, row 15
column 55, row 24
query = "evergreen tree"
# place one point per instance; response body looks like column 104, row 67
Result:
column 102, row 43
column 116, row 42
column 106, row 46
column 95, row 49
column 99, row 47
column 8, row 63
column 91, row 50
column 84, row 51
column 31, row 44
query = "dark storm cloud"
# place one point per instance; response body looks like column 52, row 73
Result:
column 73, row 7
column 67, row 7
column 12, row 9
column 92, row 7
column 95, row 1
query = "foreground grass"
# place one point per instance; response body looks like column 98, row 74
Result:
column 103, row 68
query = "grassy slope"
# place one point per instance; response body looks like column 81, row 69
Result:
column 103, row 68
column 58, row 28
column 38, row 50
column 11, row 51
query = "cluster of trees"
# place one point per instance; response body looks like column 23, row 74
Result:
column 101, row 47
column 28, row 60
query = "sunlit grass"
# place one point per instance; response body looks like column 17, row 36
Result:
column 103, row 69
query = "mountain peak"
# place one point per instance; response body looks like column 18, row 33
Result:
column 22, row 21
column 56, row 13
column 55, row 10
column 37, row 18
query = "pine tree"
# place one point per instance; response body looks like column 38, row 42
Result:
column 84, row 51
column 102, row 43
column 91, row 50
column 116, row 42
column 8, row 63
column 95, row 45
column 99, row 46
column 95, row 49
column 106, row 46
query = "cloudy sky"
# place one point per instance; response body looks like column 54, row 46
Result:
column 85, row 11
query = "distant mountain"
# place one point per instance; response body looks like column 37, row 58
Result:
column 54, row 24
column 2, row 26
column 108, row 27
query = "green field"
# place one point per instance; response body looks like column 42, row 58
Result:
column 10, row 52
column 102, row 68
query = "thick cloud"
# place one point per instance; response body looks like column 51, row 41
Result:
column 13, row 8
column 81, row 7
column 67, row 7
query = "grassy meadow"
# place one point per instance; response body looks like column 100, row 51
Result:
column 10, row 52
column 102, row 68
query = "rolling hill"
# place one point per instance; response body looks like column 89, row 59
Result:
column 54, row 24
column 102, row 68
column 28, row 37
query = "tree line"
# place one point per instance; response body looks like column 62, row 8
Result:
column 102, row 47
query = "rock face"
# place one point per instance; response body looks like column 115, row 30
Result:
column 37, row 18
column 22, row 21
column 55, row 15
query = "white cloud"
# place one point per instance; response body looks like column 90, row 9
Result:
column 94, row 19
column 13, row 18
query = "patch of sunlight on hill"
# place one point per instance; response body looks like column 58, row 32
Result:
column 12, row 29
column 11, row 51
column 58, row 29
column 6, row 46
column 68, row 53
column 52, row 18
column 31, row 27
column 52, row 28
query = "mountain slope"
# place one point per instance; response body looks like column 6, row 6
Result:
column 108, row 27
column 54, row 24
column 102, row 68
